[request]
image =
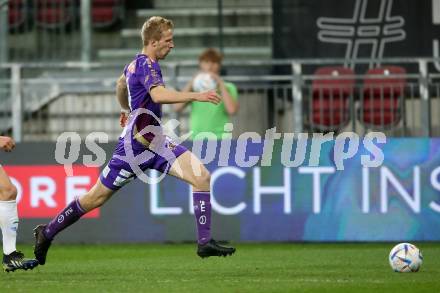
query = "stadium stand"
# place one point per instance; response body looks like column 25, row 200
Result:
column 54, row 14
column 337, row 103
column 331, row 90
column 382, row 98
column 106, row 13
column 17, row 14
column 247, row 31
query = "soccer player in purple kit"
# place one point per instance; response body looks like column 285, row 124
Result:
column 141, row 91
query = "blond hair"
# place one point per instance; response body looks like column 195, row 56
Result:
column 154, row 27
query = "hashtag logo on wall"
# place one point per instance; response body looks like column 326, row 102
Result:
column 360, row 30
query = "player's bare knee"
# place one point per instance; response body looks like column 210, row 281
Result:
column 8, row 193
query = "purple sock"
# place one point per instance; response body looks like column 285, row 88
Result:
column 72, row 213
column 202, row 211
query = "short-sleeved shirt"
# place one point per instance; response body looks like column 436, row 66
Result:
column 135, row 153
column 207, row 117
column 143, row 74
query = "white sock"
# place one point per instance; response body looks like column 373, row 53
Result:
column 9, row 225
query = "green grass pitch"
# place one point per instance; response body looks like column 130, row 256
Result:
column 254, row 268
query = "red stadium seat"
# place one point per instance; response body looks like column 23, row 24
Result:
column 330, row 103
column 382, row 97
column 54, row 14
column 106, row 13
column 16, row 14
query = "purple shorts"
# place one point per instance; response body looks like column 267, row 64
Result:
column 119, row 172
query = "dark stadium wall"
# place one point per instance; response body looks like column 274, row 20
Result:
column 333, row 28
column 395, row 201
column 143, row 4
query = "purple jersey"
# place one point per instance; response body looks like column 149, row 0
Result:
column 143, row 74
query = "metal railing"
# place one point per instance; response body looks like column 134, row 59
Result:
column 43, row 30
column 40, row 101
column 57, row 30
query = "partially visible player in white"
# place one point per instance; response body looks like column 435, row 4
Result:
column 12, row 259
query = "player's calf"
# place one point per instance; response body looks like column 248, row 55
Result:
column 45, row 233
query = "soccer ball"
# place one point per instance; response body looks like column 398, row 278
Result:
column 405, row 258
column 204, row 82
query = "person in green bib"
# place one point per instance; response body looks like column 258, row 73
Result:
column 205, row 117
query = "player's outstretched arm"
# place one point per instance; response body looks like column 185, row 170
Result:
column 6, row 143
column 161, row 95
